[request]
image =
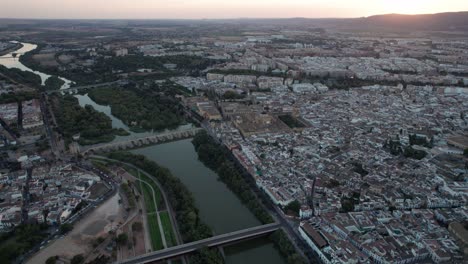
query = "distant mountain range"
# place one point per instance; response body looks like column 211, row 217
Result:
column 455, row 21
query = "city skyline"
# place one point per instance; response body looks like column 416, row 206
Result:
column 210, row 9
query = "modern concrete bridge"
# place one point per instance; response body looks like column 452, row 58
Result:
column 220, row 240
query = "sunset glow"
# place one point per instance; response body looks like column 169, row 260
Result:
column 221, row 9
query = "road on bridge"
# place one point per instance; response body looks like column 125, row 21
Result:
column 208, row 242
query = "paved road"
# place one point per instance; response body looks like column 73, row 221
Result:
column 209, row 242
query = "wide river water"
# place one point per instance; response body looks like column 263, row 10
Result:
column 9, row 61
column 219, row 208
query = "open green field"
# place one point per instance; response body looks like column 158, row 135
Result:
column 148, row 196
column 168, row 229
column 155, row 235
column 159, row 198
column 131, row 170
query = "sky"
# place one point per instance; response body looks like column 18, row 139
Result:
column 196, row 9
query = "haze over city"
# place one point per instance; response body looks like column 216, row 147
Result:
column 212, row 9
column 233, row 132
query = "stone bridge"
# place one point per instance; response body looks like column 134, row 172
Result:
column 139, row 142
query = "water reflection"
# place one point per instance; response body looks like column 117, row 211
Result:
column 9, row 61
column 117, row 123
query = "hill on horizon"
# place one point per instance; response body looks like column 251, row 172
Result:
column 450, row 21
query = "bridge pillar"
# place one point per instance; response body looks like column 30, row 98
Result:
column 221, row 250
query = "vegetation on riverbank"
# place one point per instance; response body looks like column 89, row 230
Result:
column 108, row 69
column 216, row 158
column 53, row 83
column 92, row 126
column 140, row 110
column 23, row 77
column 206, row 256
column 187, row 215
column 286, row 248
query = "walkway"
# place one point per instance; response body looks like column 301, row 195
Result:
column 163, row 193
column 161, row 229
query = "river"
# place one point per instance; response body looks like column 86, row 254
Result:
column 84, row 100
column 9, row 61
column 218, row 206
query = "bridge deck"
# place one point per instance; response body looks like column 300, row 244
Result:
column 209, row 242
column 143, row 140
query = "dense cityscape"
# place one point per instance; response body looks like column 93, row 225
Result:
column 233, row 141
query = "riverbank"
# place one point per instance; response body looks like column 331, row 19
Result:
column 218, row 206
column 216, row 157
column 16, row 47
column 190, row 226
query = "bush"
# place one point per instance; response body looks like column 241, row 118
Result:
column 51, row 260
column 77, row 259
column 137, row 227
column 122, row 239
column 65, row 228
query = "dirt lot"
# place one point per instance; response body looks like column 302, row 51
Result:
column 78, row 241
column 97, row 190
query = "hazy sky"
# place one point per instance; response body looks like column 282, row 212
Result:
column 220, row 8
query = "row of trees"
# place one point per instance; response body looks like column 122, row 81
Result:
column 142, row 110
column 207, row 256
column 286, row 248
column 187, row 215
column 216, row 158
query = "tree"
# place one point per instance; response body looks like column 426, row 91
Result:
column 122, row 239
column 207, row 256
column 294, row 207
column 65, row 228
column 465, row 152
column 51, row 260
column 137, row 226
column 53, row 83
column 77, row 259
column 230, row 95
